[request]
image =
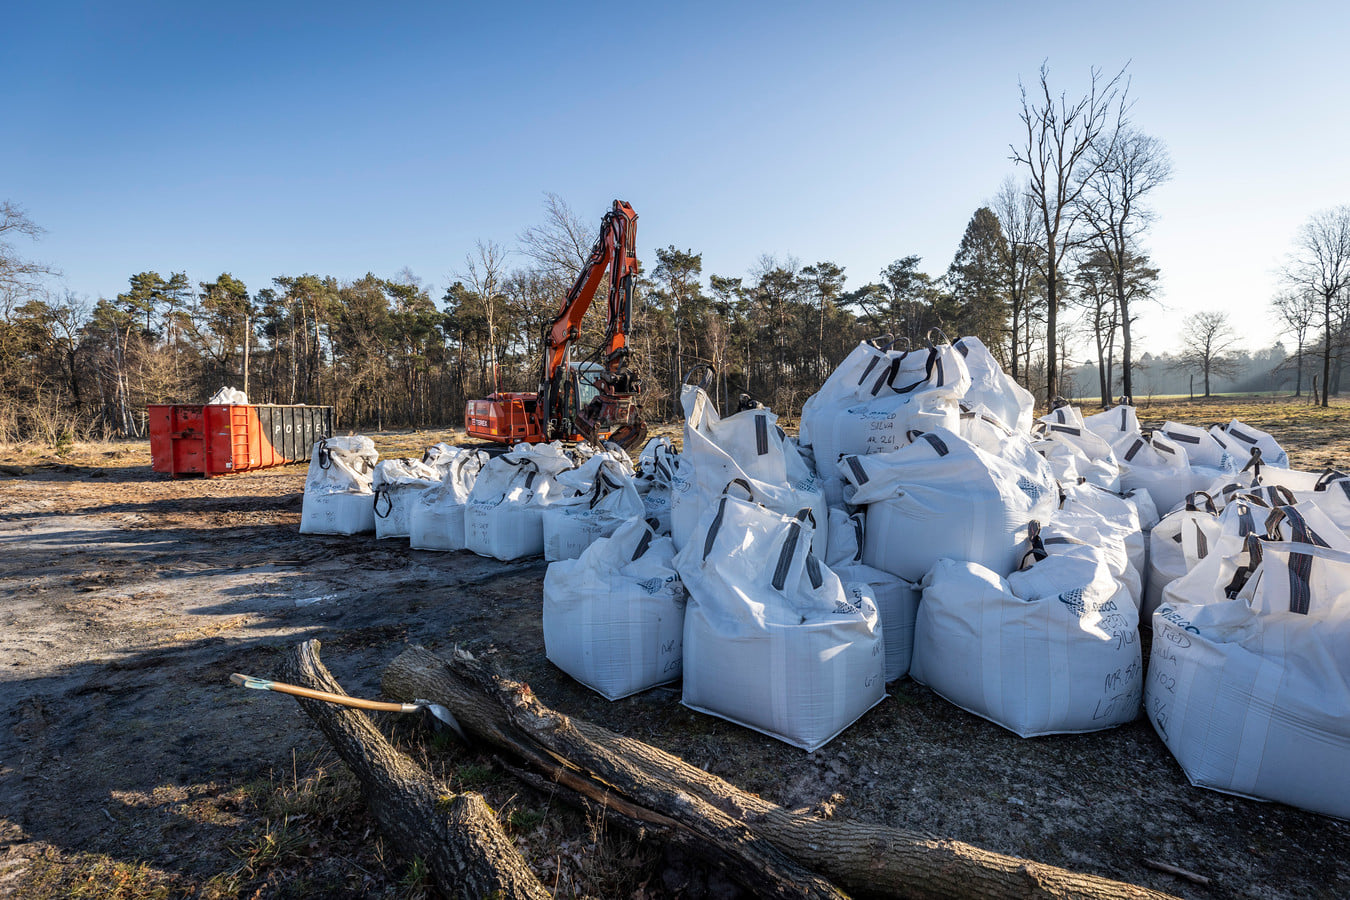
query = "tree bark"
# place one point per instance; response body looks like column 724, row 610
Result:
column 457, row 835
column 867, row 859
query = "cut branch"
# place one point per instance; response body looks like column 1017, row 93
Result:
column 647, row 784
column 456, row 835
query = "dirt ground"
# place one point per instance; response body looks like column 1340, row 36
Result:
column 130, row 767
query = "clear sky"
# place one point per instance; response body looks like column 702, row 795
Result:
column 270, row 139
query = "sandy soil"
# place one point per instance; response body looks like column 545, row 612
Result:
column 129, row 766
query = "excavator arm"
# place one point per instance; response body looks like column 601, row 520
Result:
column 616, row 406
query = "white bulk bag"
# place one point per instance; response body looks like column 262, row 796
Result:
column 897, row 603
column 1249, row 438
column 614, row 616
column 1167, row 559
column 944, row 497
column 656, row 469
column 1201, row 447
column 989, row 434
column 748, row 447
column 993, row 389
column 228, row 396
column 1213, row 563
column 1157, row 465
column 772, row 641
column 436, row 520
column 846, row 541
column 338, row 498
column 1051, row 650
column 398, row 485
column 1252, row 695
column 503, row 516
column 1111, row 424
column 571, row 525
column 1116, row 538
column 1331, row 494
column 875, row 399
column 1075, row 452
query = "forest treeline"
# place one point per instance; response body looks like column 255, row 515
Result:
column 1053, row 265
column 388, row 352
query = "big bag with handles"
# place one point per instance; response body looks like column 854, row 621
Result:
column 504, row 515
column 992, row 388
column 1167, row 558
column 1252, row 694
column 338, row 497
column 773, row 640
column 1053, row 649
column 876, row 399
column 614, row 616
column 944, row 497
column 1213, row 561
column 572, row 524
column 746, row 447
column 398, row 485
column 436, row 521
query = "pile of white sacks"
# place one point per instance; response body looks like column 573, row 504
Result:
column 924, row 524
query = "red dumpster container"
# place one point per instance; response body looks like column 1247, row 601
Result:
column 218, row 439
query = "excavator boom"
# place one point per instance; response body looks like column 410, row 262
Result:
column 557, row 411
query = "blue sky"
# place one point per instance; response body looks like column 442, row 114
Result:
column 271, row 139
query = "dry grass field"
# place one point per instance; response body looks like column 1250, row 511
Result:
column 131, row 768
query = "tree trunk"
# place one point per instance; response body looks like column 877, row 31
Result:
column 456, row 835
column 1326, row 349
column 868, row 859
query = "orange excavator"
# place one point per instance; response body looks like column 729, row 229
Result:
column 596, row 399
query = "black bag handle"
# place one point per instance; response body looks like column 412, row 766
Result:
column 1301, row 531
column 1210, row 506
column 381, row 491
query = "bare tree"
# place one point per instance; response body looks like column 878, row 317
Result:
column 1297, row 310
column 562, row 244
column 1064, row 145
column 1321, row 264
column 484, row 275
column 18, row 276
column 1017, row 213
column 1124, row 171
column 1208, row 339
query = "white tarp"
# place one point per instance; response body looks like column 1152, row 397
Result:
column 436, row 521
column 614, row 616
column 772, row 640
column 1053, row 649
column 944, row 497
column 875, row 399
column 1252, row 695
column 398, row 485
column 338, row 497
column 228, row 396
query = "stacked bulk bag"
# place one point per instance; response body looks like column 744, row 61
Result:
column 746, row 448
column 897, row 602
column 1050, row 650
column 1075, row 452
column 607, row 498
column 398, row 484
column 1115, row 534
column 653, row 481
column 1215, row 560
column 992, row 389
column 436, row 520
column 1194, row 525
column 1248, row 439
column 1331, row 494
column 944, row 497
column 846, row 541
column 1157, row 465
column 1209, row 458
column 772, row 640
column 614, row 616
column 875, row 399
column 1252, row 694
column 338, row 497
column 503, row 516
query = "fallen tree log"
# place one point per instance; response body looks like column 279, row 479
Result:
column 866, row 859
column 456, row 835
